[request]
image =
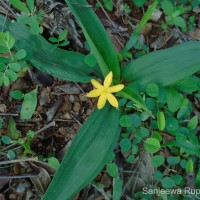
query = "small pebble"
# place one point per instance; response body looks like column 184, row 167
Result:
column 76, row 126
column 156, row 15
column 83, row 97
column 12, row 196
column 89, row 111
column 77, row 107
column 66, row 116
column 71, row 98
column 3, row 108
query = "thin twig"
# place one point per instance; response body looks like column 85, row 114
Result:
column 133, row 175
column 18, row 160
column 76, row 120
column 9, row 9
column 101, row 191
column 46, row 127
column 109, row 19
column 19, row 176
column 9, row 114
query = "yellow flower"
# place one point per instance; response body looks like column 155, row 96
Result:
column 104, row 92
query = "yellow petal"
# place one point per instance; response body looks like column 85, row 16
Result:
column 108, row 80
column 102, row 101
column 96, row 84
column 94, row 93
column 112, row 100
column 115, row 88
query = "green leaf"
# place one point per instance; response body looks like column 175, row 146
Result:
column 60, row 63
column 19, row 5
column 13, row 132
column 14, row 66
column 6, row 81
column 168, row 66
column 35, row 28
column 117, row 188
column 62, row 35
column 186, row 146
column 7, row 41
column 2, row 67
column 174, row 99
column 158, row 175
column 125, row 121
column 179, row 21
column 172, row 124
column 177, row 179
column 96, row 36
column 53, row 162
column 130, row 159
column 168, row 7
column 189, row 85
column 161, row 121
column 125, row 145
column 157, row 136
column 152, row 145
column 30, row 4
column 108, row 4
column 135, row 120
column 112, row 169
column 11, row 155
column 1, row 78
column 6, row 140
column 139, row 3
column 81, row 164
column 152, row 90
column 193, row 123
column 172, row 160
column 157, row 161
column 11, row 75
column 29, row 105
column 167, row 182
column 90, row 60
column 16, row 94
column 20, row 54
column 140, row 26
column 133, row 95
column 190, row 166
column 53, row 39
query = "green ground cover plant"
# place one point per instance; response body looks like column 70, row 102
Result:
column 149, row 105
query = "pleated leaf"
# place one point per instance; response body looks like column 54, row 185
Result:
column 163, row 67
column 96, row 36
column 66, row 65
column 87, row 155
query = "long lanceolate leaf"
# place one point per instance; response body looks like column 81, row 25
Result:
column 96, row 36
column 87, row 155
column 140, row 26
column 164, row 67
column 60, row 63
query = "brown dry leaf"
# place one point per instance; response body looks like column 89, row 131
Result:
column 69, row 88
column 147, row 28
column 2, row 197
column 45, row 96
column 161, row 40
column 42, row 181
column 195, row 35
column 53, row 109
column 3, row 181
column 142, row 175
column 116, row 43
